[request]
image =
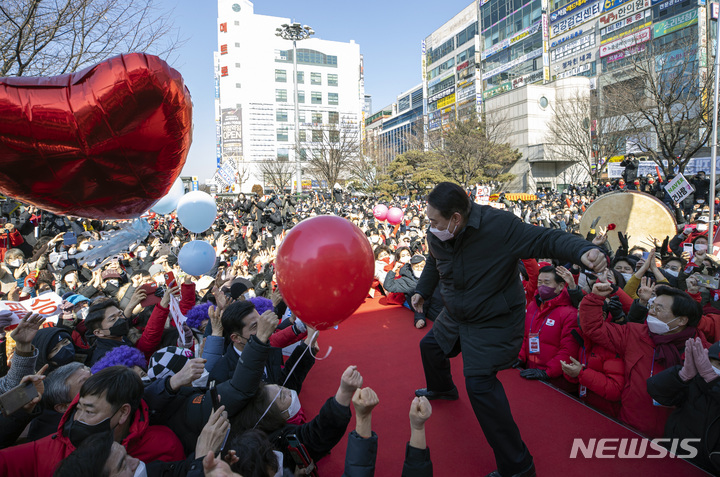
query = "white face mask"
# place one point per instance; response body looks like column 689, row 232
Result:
column 294, row 405
column 404, row 259
column 140, row 471
column 160, row 280
column 658, row 326
column 417, row 273
column 443, row 235
column 673, row 273
column 626, row 276
column 15, row 263
column 142, row 254
column 701, row 247
column 249, row 294
column 84, row 247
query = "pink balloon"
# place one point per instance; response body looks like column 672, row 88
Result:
column 395, row 215
column 380, row 212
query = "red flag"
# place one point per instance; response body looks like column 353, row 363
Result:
column 658, row 173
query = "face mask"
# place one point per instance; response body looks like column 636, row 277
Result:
column 374, row 239
column 79, row 431
column 444, row 235
column 64, row 356
column 294, row 405
column 84, row 246
column 249, row 294
column 82, row 314
column 546, row 293
column 140, row 471
column 142, row 254
column 15, row 263
column 160, row 280
column 119, row 328
column 626, row 276
column 72, row 251
column 659, row 327
column 672, row 273
column 417, row 273
column 114, row 283
column 404, row 259
column 700, row 247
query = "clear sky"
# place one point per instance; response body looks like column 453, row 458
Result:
column 389, row 33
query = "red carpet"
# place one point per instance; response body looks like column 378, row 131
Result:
column 383, row 343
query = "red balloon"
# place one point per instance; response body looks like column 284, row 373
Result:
column 380, row 211
column 394, row 215
column 325, row 268
column 106, row 142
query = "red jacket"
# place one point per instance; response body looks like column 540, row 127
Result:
column 637, row 349
column 40, row 458
column 603, row 376
column 554, row 320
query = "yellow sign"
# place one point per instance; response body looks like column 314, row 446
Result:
column 617, row 159
column 447, row 100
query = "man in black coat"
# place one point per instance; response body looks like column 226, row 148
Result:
column 474, row 255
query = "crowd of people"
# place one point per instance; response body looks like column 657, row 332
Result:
column 160, row 398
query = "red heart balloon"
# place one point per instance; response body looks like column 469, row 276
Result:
column 106, row 142
column 325, row 268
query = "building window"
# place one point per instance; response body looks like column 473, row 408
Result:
column 334, row 135
column 237, row 85
column 333, row 117
column 281, row 115
column 317, row 135
column 237, row 23
column 301, row 116
column 316, row 97
column 332, row 80
column 283, row 155
column 303, row 155
column 281, row 76
column 237, row 65
column 301, row 77
column 333, row 98
column 281, row 95
column 237, row 45
column 317, row 118
column 301, row 96
column 302, row 135
column 282, row 134
column 315, row 78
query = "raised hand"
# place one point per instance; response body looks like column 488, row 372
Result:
column 689, row 370
column 192, row 370
column 566, row 275
column 602, row 289
column 646, row 290
column 351, row 380
column 25, row 331
column 266, row 325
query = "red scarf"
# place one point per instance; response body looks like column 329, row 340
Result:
column 667, row 347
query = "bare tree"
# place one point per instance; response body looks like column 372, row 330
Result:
column 471, row 151
column 662, row 95
column 366, row 171
column 579, row 133
column 278, row 174
column 331, row 152
column 51, row 37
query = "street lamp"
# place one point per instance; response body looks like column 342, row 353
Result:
column 295, row 32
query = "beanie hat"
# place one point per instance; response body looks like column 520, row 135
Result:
column 167, row 362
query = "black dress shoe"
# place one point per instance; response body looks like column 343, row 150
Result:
column 530, row 472
column 451, row 395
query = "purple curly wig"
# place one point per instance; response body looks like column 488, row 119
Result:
column 122, row 356
column 261, row 304
column 197, row 315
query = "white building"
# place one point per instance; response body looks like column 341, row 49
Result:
column 255, row 90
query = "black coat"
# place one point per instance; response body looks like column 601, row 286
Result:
column 478, row 276
column 406, row 284
column 697, row 414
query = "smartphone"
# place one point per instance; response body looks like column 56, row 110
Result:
column 170, row 281
column 688, row 247
column 151, row 298
column 645, row 255
column 17, row 397
column 707, row 281
column 69, row 238
column 300, row 456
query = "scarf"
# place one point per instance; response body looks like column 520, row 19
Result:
column 667, row 347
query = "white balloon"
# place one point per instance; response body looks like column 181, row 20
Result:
column 170, row 201
column 196, row 257
column 196, row 211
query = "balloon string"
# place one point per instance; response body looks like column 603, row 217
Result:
column 312, row 341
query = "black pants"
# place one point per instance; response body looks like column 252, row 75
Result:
column 489, row 402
